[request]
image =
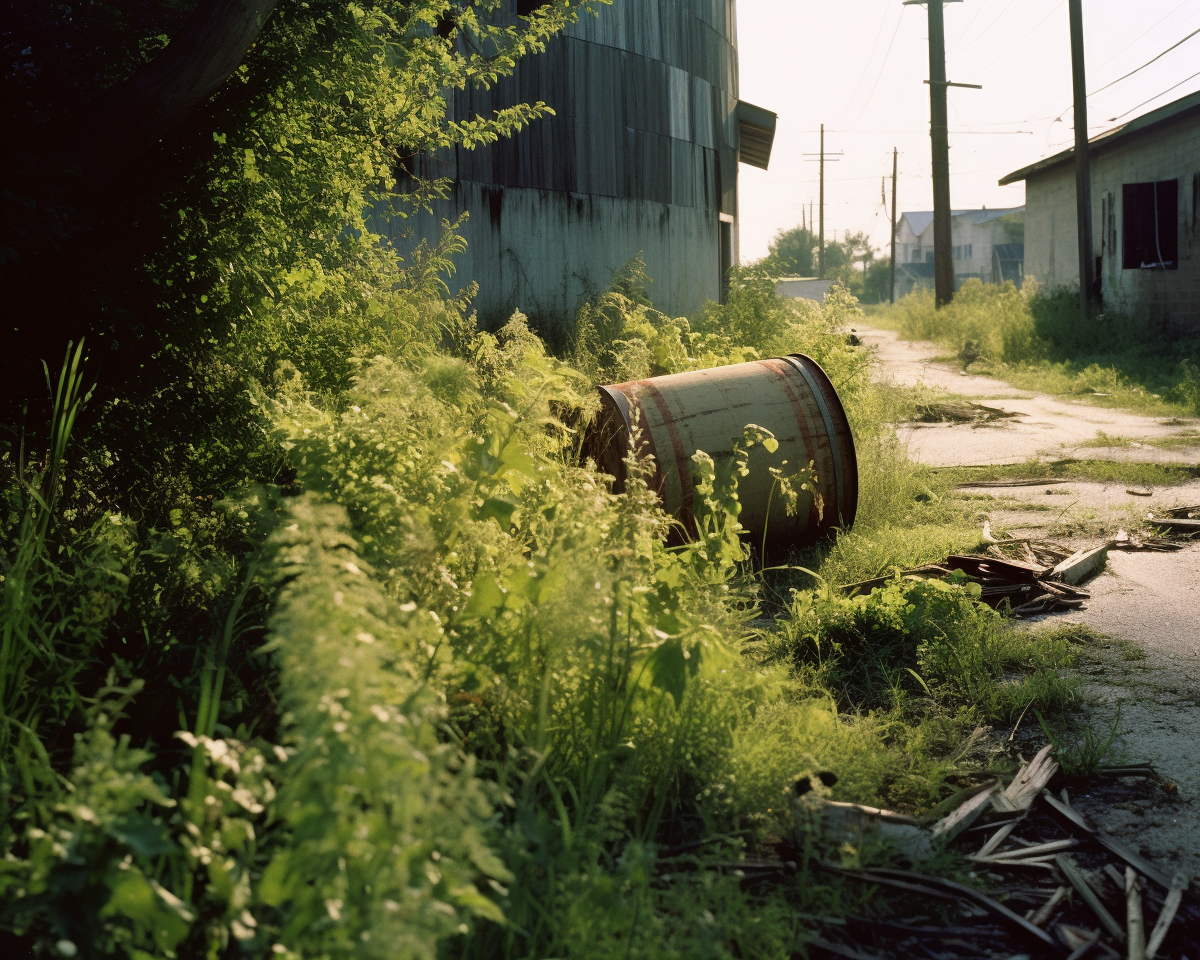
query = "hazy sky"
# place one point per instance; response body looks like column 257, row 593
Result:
column 858, row 65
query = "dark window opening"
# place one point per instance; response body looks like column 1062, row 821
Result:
column 1150, row 224
column 526, row 7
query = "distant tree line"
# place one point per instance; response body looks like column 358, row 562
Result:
column 852, row 260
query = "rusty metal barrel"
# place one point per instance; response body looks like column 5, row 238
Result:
column 708, row 410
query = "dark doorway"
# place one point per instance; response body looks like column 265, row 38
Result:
column 1150, row 224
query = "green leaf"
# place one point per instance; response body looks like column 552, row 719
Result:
column 143, row 836
column 273, row 887
column 670, row 667
column 486, row 599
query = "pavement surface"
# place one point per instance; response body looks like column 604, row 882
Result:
column 1148, row 603
column 1044, row 427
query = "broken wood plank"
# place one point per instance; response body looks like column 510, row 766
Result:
column 1115, row 846
column 1081, row 565
column 1084, row 889
column 949, row 827
column 1028, row 783
column 1044, row 912
column 1038, row 850
column 1179, row 884
column 1135, row 926
column 997, row 838
column 1172, row 523
column 1129, row 770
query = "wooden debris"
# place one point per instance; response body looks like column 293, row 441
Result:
column 996, row 839
column 1179, row 884
column 853, row 823
column 1086, row 947
column 1046, row 910
column 950, row 826
column 966, row 893
column 1134, row 925
column 1027, row 784
column 1128, row 770
column 1037, row 851
column 1083, row 888
column 1115, row 846
column 1174, row 523
column 1076, row 937
column 984, row 484
column 1143, row 492
column 1081, row 565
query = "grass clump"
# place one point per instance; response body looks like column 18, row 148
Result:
column 1094, row 471
column 1037, row 340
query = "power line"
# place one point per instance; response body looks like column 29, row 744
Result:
column 1152, row 99
column 1129, row 45
column 882, row 67
column 984, row 31
column 862, row 76
column 1036, row 27
column 1147, row 63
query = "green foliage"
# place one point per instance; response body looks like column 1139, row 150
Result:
column 1038, row 340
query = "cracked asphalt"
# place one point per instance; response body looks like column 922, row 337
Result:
column 1149, row 603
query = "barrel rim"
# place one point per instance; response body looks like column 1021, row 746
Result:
column 848, row 513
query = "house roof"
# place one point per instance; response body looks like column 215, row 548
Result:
column 920, row 221
column 1178, row 110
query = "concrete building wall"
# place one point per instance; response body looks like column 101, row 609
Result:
column 641, row 157
column 1169, row 299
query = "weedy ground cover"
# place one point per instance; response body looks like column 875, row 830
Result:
column 1037, row 340
column 458, row 698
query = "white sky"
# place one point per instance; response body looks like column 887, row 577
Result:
column 858, row 65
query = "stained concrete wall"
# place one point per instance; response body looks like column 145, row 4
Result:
column 640, row 157
column 1169, row 300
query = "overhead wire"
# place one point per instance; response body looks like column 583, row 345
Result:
column 862, row 76
column 1152, row 99
column 882, row 67
column 1036, row 27
column 1175, row 46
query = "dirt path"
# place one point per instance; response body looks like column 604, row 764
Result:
column 1148, row 602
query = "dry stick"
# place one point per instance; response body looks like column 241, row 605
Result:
column 1130, row 856
column 1055, row 846
column 1086, row 947
column 996, row 839
column 1133, row 915
column 1179, row 883
column 1076, row 937
column 1075, row 878
column 1046, row 909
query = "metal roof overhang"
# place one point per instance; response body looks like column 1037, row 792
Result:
column 1110, row 138
column 756, row 133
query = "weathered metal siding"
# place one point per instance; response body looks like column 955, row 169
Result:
column 640, row 157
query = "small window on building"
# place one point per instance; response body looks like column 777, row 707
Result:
column 526, row 7
column 929, row 256
column 958, row 253
column 969, row 251
column 1150, row 225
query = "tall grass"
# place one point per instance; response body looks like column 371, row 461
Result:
column 1039, row 340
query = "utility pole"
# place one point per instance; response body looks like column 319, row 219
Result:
column 831, row 158
column 1083, row 171
column 939, row 132
column 895, row 168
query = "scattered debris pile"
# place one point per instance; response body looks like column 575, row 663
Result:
column 1034, row 577
column 1059, row 886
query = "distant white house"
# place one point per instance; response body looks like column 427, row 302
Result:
column 1145, row 217
column 989, row 245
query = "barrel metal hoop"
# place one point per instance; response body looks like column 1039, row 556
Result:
column 797, row 361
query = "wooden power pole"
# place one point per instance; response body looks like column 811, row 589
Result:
column 1083, row 172
column 823, row 158
column 943, row 249
column 939, row 132
column 895, row 167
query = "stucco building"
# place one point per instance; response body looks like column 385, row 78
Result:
column 641, row 156
column 1146, row 212
column 988, row 246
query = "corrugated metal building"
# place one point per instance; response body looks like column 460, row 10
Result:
column 641, row 156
